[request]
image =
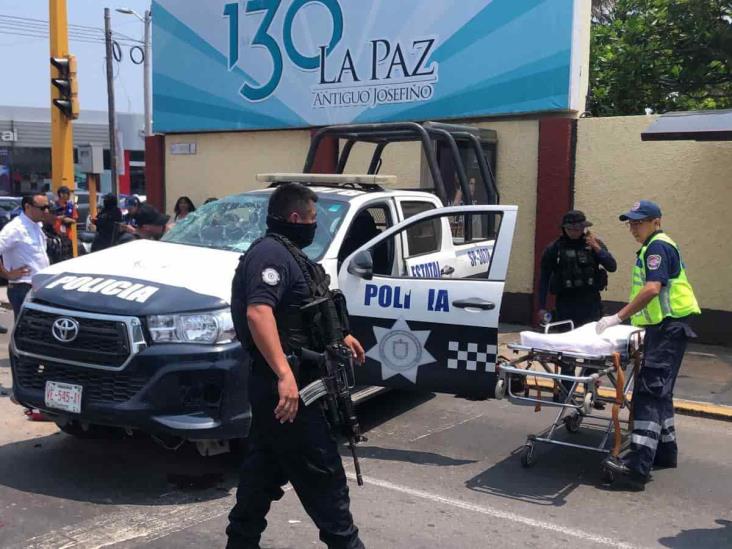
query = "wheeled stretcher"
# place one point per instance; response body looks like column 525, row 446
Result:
column 565, row 371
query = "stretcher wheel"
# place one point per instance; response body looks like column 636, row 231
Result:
column 572, row 422
column 587, row 404
column 501, row 389
column 528, row 456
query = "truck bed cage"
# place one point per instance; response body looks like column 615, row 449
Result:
column 429, row 134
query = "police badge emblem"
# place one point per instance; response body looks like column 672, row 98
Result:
column 270, row 277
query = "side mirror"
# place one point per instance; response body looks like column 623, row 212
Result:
column 362, row 265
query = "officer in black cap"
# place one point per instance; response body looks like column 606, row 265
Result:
column 288, row 442
column 574, row 268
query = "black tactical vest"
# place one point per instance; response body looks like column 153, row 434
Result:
column 576, row 268
column 321, row 320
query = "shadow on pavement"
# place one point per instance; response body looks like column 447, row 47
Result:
column 124, row 470
column 557, row 472
column 380, row 409
column 114, row 471
column 410, row 456
column 702, row 537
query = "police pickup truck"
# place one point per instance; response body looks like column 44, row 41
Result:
column 140, row 336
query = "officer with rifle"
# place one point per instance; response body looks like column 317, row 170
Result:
column 294, row 330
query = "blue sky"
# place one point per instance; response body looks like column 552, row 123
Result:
column 24, row 80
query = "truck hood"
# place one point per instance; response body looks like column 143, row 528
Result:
column 140, row 278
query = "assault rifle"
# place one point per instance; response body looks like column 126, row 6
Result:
column 335, row 367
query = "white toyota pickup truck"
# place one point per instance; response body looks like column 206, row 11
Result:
column 140, row 336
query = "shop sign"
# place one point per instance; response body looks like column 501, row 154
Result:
column 9, row 136
column 257, row 64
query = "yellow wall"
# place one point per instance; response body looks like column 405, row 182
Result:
column 227, row 163
column 691, row 182
column 517, row 162
column 399, row 159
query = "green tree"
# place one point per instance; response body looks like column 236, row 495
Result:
column 660, row 54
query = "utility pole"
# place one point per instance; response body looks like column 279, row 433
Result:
column 110, row 99
column 146, row 76
column 64, row 104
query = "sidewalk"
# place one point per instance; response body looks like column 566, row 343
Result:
column 704, row 385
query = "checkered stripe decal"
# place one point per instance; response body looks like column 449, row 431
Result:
column 471, row 356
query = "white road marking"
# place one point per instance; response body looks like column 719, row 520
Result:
column 430, row 433
column 496, row 513
column 149, row 524
column 133, row 523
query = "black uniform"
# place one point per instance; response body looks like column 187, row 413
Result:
column 303, row 452
column 576, row 275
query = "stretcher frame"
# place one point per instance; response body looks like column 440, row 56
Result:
column 575, row 406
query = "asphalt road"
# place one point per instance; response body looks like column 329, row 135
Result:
column 440, row 472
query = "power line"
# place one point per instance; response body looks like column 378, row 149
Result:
column 38, row 28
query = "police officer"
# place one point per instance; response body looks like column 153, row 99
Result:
column 288, row 442
column 574, row 268
column 661, row 301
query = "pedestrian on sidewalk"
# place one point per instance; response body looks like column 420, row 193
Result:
column 23, row 248
column 661, row 301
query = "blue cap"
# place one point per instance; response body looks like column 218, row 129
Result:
column 132, row 201
column 645, row 209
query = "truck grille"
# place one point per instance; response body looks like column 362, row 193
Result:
column 99, row 343
column 99, row 386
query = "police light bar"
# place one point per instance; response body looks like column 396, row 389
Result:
column 326, row 179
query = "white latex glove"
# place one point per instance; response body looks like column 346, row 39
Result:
column 607, row 322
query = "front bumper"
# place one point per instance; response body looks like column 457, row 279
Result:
column 194, row 392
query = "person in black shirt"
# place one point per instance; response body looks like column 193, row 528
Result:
column 574, row 268
column 288, row 442
column 107, row 224
column 145, row 221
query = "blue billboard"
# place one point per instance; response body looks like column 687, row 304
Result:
column 267, row 64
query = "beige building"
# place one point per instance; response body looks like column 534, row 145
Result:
column 611, row 168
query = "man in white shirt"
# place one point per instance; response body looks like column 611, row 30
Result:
column 23, row 248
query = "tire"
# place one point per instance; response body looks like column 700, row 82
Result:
column 528, row 456
column 572, row 423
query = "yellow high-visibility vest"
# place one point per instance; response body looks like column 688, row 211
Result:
column 676, row 299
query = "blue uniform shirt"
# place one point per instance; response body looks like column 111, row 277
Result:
column 662, row 262
column 271, row 276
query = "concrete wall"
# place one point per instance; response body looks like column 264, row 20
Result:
column 227, row 163
column 517, row 167
column 691, row 181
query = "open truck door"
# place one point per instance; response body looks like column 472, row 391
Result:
column 432, row 333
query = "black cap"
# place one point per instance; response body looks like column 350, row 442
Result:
column 63, row 189
column 575, row 217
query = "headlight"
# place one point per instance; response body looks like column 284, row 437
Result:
column 210, row 327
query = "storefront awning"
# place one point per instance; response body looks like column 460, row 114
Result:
column 694, row 125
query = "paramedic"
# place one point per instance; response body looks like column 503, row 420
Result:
column 661, row 301
column 574, row 268
column 288, row 442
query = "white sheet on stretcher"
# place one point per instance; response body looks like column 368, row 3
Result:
column 582, row 340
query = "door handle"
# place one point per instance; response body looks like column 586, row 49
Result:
column 474, row 303
column 447, row 270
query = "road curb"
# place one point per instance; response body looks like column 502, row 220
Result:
column 681, row 406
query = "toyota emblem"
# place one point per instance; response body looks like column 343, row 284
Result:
column 65, row 329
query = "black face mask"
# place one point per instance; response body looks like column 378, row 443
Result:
column 300, row 234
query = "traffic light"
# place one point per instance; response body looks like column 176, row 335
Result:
column 65, row 82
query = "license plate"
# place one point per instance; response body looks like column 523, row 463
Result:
column 63, row 396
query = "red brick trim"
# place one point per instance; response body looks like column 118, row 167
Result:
column 155, row 171
column 554, row 188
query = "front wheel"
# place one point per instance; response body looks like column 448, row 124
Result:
column 528, row 455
